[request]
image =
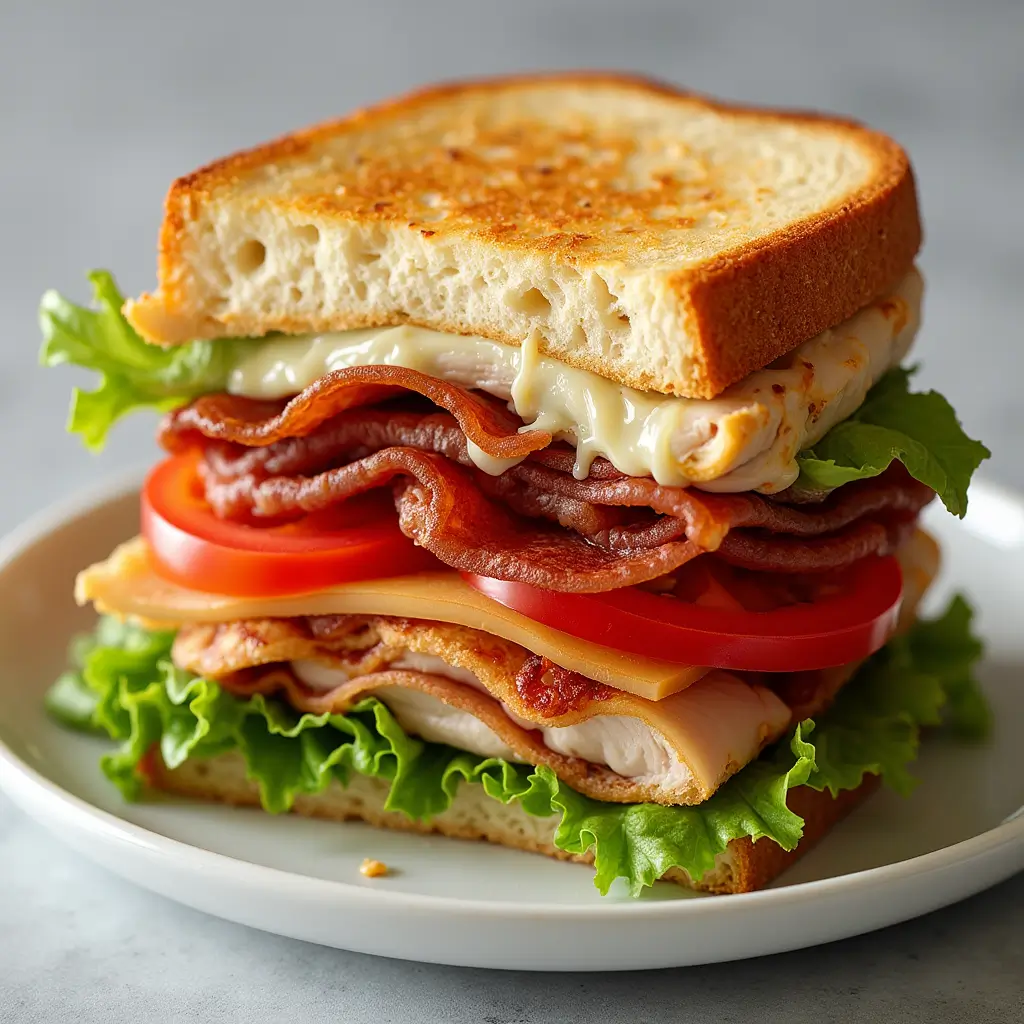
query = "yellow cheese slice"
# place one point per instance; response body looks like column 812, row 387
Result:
column 127, row 585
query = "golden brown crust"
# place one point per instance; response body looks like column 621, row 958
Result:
column 748, row 305
column 754, row 865
column 745, row 867
column 753, row 302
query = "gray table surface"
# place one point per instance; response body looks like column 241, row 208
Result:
column 101, row 104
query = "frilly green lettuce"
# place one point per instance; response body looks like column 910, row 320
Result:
column 133, row 373
column 918, row 429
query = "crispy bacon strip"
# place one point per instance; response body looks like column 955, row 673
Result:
column 774, row 553
column 256, row 423
column 544, row 487
column 894, row 491
column 441, row 508
column 612, row 530
column 553, row 691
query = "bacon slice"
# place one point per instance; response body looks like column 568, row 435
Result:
column 612, row 530
column 774, row 553
column 442, row 506
column 253, row 422
column 541, row 487
column 356, row 432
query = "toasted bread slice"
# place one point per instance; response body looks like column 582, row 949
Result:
column 657, row 238
column 743, row 867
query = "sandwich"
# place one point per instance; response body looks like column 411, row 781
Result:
column 543, row 466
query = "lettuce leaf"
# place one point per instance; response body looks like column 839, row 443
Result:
column 133, row 373
column 126, row 686
column 918, row 429
column 945, row 647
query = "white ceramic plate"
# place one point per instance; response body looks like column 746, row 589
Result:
column 475, row 905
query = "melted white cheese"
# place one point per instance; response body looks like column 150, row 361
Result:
column 746, row 438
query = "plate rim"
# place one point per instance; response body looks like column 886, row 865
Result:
column 31, row 790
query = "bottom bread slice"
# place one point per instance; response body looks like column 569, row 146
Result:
column 743, row 867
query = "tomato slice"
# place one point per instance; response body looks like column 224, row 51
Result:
column 835, row 630
column 358, row 539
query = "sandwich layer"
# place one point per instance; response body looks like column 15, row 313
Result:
column 535, row 523
column 744, row 866
column 656, row 238
column 746, row 439
column 122, row 683
column 476, row 692
column 128, row 585
column 448, row 684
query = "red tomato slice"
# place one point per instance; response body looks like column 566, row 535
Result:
column 356, row 540
column 835, row 630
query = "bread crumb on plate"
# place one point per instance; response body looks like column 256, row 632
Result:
column 373, row 868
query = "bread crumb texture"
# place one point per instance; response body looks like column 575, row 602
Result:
column 373, row 868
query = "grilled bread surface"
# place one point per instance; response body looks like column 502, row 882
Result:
column 655, row 237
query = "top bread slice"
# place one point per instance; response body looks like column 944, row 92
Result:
column 657, row 238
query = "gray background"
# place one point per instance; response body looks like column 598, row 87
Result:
column 101, row 104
